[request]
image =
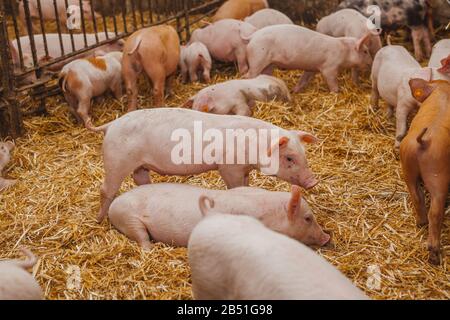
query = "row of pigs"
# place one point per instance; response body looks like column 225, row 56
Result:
column 218, row 242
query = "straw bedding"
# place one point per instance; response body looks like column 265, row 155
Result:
column 361, row 198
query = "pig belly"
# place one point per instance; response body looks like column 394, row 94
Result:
column 168, row 168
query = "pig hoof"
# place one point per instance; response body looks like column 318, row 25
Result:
column 147, row 246
column 434, row 258
column 421, row 223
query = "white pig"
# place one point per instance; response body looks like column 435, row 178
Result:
column 83, row 79
column 5, row 157
column 350, row 23
column 239, row 96
column 170, row 141
column 16, row 283
column 441, row 50
column 268, row 17
column 293, row 47
column 168, row 212
column 392, row 69
column 224, row 40
column 237, row 258
column 195, row 58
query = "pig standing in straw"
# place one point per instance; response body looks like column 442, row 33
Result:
column 350, row 23
column 425, row 157
column 83, row 79
column 170, row 141
column 194, row 59
column 237, row 258
column 168, row 212
column 5, row 157
column 296, row 48
column 239, row 96
column 239, row 9
column 268, row 17
column 16, row 283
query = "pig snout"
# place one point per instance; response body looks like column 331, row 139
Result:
column 307, row 183
column 324, row 239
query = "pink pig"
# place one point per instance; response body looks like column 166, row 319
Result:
column 268, row 17
column 168, row 212
column 237, row 257
column 224, row 40
column 350, row 23
column 441, row 51
column 16, row 283
column 239, row 96
column 195, row 58
column 158, row 140
column 5, row 157
column 292, row 47
column 83, row 79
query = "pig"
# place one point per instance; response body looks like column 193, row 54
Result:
column 293, row 47
column 236, row 257
column 146, row 140
column 48, row 12
column 5, row 157
column 224, row 40
column 83, row 79
column 268, row 17
column 239, row 96
column 425, row 157
column 156, row 51
column 395, row 14
column 440, row 58
column 54, row 49
column 350, row 23
column 169, row 212
column 16, row 283
column 195, row 58
column 239, row 9
column 392, row 69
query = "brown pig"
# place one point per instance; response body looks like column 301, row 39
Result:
column 16, row 283
column 156, row 51
column 425, row 156
column 239, row 9
column 5, row 157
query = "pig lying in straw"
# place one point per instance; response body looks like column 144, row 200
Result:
column 392, row 69
column 268, row 17
column 150, row 139
column 425, row 157
column 239, row 96
column 239, row 9
column 224, row 40
column 194, row 59
column 5, row 157
column 169, row 212
column 16, row 283
column 292, row 47
column 156, row 51
column 350, row 23
column 237, row 257
column 83, row 79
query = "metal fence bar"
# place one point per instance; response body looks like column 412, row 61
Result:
column 94, row 22
column 83, row 24
column 41, row 22
column 105, row 26
column 72, row 42
column 58, row 27
column 17, row 34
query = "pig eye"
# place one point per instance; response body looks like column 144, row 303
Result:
column 289, row 159
column 308, row 219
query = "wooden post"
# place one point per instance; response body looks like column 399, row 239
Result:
column 10, row 117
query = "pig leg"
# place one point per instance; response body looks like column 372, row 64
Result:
column 331, row 76
column 6, row 183
column 427, row 42
column 83, row 109
column 375, row 97
column 117, row 89
column 411, row 174
column 73, row 106
column 417, row 37
column 242, row 110
column 108, row 191
column 193, row 71
column 158, row 76
column 355, row 76
column 269, row 70
column 233, row 176
column 136, row 230
column 206, row 74
column 130, row 76
column 304, row 80
column 184, row 72
column 402, row 112
column 241, row 58
column 141, row 176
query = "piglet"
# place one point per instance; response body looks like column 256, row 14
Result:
column 169, row 212
column 236, row 257
column 224, row 40
column 83, row 79
column 5, row 157
column 16, row 283
column 195, row 58
column 268, row 17
column 350, row 23
column 425, row 157
column 239, row 96
column 156, row 51
column 440, row 59
column 293, row 47
column 239, row 9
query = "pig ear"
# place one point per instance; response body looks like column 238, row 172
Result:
column 10, row 145
column 294, row 202
column 189, row 104
column 420, row 89
column 306, row 137
column 281, row 143
column 445, row 65
column 364, row 40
